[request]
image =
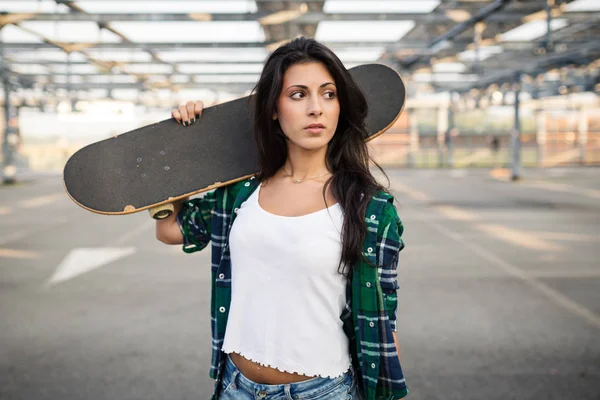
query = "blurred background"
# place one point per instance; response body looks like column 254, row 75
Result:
column 483, row 76
column 494, row 164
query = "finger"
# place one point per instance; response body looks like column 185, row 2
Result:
column 190, row 111
column 185, row 120
column 198, row 107
column 175, row 114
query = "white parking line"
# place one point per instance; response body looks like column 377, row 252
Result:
column 24, row 233
column 33, row 202
column 455, row 213
column 127, row 236
column 513, row 270
column 564, row 274
column 415, row 194
column 563, row 187
column 20, row 254
column 39, row 201
column 83, row 260
column 518, row 237
column 568, row 236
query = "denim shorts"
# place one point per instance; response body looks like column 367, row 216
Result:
column 237, row 386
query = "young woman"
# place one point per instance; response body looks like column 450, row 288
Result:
column 304, row 254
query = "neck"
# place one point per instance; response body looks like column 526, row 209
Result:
column 303, row 163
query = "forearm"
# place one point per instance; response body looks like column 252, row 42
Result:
column 167, row 230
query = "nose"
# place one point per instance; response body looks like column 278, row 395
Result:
column 314, row 107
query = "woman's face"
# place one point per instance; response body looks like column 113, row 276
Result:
column 308, row 108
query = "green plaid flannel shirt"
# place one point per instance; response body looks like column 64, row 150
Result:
column 369, row 317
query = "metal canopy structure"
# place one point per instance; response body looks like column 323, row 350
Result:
column 448, row 45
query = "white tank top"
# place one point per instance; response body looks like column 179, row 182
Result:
column 286, row 293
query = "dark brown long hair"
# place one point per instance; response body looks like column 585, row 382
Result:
column 347, row 157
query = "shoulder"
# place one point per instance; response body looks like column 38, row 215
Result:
column 382, row 206
column 236, row 187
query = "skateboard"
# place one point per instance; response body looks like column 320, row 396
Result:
column 150, row 167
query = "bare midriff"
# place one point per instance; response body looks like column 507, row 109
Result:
column 265, row 375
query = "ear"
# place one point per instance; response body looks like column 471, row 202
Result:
column 274, row 116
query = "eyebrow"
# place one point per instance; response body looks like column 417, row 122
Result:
column 306, row 87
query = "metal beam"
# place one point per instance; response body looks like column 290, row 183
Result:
column 144, row 46
column 226, row 87
column 307, row 18
column 531, row 65
column 139, row 74
column 415, row 46
column 50, row 62
column 451, row 34
column 213, row 45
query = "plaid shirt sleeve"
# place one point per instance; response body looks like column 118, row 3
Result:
column 374, row 306
column 194, row 221
column 389, row 245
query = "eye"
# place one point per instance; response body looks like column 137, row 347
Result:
column 294, row 95
column 330, row 94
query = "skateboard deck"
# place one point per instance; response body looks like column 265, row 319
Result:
column 163, row 162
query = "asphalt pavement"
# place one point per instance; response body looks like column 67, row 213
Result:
column 499, row 293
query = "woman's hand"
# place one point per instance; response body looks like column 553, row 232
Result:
column 186, row 114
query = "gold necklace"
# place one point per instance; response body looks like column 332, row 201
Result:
column 302, row 180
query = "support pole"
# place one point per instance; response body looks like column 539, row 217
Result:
column 449, row 138
column 413, row 139
column 477, row 36
column 516, row 133
column 442, row 128
column 541, row 133
column 549, row 5
column 9, row 137
column 582, row 130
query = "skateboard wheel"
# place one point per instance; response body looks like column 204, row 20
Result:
column 162, row 212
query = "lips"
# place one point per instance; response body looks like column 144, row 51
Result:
column 315, row 126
